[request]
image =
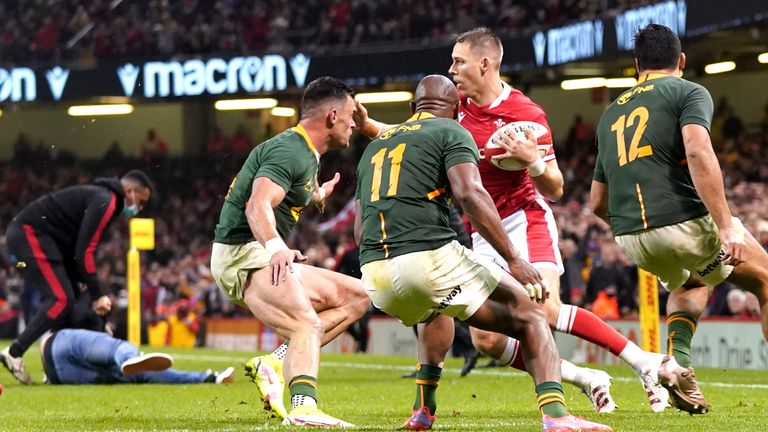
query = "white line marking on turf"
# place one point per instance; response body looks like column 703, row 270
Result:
column 489, row 372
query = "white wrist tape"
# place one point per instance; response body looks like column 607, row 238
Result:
column 537, row 168
column 275, row 245
column 370, row 126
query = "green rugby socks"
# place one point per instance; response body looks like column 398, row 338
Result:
column 551, row 399
column 303, row 390
column 427, row 377
column 680, row 326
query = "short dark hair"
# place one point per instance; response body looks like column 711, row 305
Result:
column 141, row 178
column 322, row 89
column 480, row 37
column 656, row 47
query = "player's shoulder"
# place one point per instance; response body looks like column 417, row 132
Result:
column 288, row 142
column 447, row 127
column 288, row 137
column 690, row 86
column 441, row 122
column 520, row 105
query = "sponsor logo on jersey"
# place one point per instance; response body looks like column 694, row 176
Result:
column 626, row 97
column 714, row 265
column 447, row 299
column 402, row 128
column 461, row 116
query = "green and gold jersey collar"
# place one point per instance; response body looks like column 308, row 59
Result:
column 420, row 116
column 651, row 76
column 299, row 129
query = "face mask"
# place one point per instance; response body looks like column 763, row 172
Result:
column 130, row 211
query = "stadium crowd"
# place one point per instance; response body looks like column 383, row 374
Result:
column 178, row 292
column 45, row 30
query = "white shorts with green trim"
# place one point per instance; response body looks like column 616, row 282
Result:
column 231, row 265
column 675, row 252
column 451, row 280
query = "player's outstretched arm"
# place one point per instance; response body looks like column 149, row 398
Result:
column 323, row 191
column 368, row 126
column 259, row 211
column 468, row 191
column 708, row 181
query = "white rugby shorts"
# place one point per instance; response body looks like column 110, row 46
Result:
column 451, row 280
column 674, row 252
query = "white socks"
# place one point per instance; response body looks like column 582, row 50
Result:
column 573, row 374
column 634, row 356
column 510, row 351
column 298, row 400
column 565, row 318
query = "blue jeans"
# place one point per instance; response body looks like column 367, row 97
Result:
column 89, row 357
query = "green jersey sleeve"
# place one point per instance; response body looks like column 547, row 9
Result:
column 697, row 107
column 278, row 164
column 459, row 146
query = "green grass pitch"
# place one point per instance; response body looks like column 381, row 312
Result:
column 367, row 391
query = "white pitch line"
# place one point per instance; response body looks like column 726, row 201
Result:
column 489, row 372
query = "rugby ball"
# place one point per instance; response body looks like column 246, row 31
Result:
column 518, row 128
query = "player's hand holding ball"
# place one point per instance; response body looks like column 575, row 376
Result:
column 516, row 146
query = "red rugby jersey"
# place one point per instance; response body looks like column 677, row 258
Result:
column 510, row 190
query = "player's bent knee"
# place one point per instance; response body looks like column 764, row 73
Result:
column 530, row 316
column 359, row 306
column 551, row 308
column 308, row 324
column 485, row 341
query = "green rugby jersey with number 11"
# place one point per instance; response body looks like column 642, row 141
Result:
column 402, row 185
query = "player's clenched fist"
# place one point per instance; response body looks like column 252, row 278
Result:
column 530, row 278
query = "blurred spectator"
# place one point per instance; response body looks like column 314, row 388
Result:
column 9, row 318
column 154, row 148
column 183, row 326
column 733, row 126
column 114, row 156
column 741, row 305
column 580, row 134
column 99, row 29
column 241, row 142
column 764, row 123
column 609, row 288
column 218, row 143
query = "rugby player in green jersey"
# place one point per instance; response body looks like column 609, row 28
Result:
column 306, row 305
column 658, row 183
column 413, row 268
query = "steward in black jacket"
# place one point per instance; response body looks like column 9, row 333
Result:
column 53, row 242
